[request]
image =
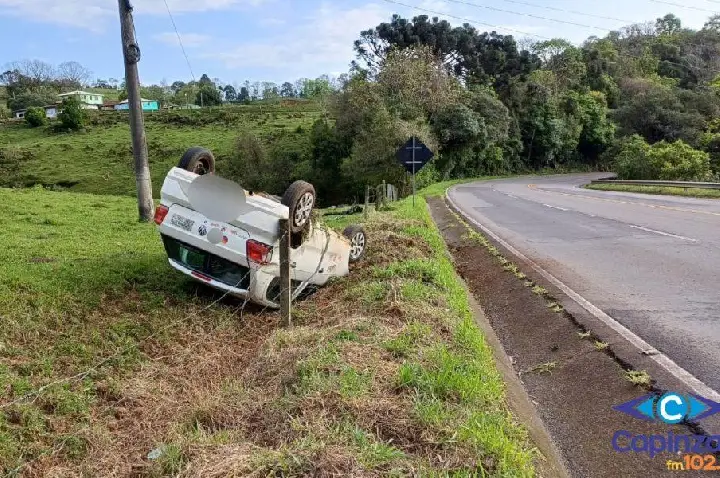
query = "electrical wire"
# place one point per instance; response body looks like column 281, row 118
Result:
column 690, row 7
column 179, row 40
column 468, row 20
column 531, row 15
column 574, row 12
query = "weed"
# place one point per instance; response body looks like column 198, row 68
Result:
column 405, row 343
column 546, row 367
column 601, row 345
column 374, row 453
column 170, row 461
column 347, row 335
column 554, row 306
column 639, row 378
column 538, row 290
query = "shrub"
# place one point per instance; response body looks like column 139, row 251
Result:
column 632, row 160
column 72, row 116
column 35, row 116
column 678, row 161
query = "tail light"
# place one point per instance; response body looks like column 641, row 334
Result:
column 160, row 214
column 258, row 252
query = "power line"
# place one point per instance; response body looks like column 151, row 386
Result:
column 179, row 39
column 566, row 22
column 468, row 20
column 574, row 12
column 684, row 6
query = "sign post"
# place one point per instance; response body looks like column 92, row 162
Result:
column 414, row 155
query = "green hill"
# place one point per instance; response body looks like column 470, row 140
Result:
column 99, row 159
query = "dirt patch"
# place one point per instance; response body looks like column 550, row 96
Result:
column 573, row 382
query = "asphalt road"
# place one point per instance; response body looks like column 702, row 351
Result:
column 650, row 262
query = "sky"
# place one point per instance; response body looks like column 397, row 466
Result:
column 284, row 40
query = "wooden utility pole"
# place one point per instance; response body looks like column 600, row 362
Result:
column 131, row 55
column 285, row 289
column 367, row 202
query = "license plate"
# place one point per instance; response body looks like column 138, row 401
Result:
column 182, row 222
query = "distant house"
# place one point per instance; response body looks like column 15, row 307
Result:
column 51, row 111
column 109, row 105
column 90, row 101
column 147, row 105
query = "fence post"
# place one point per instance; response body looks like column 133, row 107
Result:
column 367, row 201
column 285, row 290
column 384, row 194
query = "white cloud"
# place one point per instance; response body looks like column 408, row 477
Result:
column 94, row 14
column 77, row 13
column 189, row 40
column 322, row 42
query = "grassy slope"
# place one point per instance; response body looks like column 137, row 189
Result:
column 385, row 369
column 698, row 193
column 99, row 160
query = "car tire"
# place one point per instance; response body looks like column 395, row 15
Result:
column 198, row 160
column 300, row 199
column 358, row 242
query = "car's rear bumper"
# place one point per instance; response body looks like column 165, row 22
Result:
column 259, row 283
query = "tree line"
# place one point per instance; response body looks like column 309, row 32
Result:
column 29, row 83
column 643, row 101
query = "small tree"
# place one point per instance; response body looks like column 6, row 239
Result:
column 35, row 116
column 72, row 116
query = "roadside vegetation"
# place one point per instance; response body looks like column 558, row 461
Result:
column 639, row 100
column 383, row 372
column 691, row 192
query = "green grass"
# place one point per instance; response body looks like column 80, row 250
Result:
column 629, row 188
column 458, row 380
column 81, row 280
column 99, row 159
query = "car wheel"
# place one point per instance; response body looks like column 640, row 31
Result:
column 300, row 199
column 198, row 160
column 358, row 242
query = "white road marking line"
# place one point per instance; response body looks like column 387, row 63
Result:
column 555, row 207
column 635, row 203
column 660, row 358
column 662, row 233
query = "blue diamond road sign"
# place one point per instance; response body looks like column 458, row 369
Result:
column 414, row 162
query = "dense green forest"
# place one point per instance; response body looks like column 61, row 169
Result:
column 643, row 101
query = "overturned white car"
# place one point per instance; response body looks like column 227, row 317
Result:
column 227, row 237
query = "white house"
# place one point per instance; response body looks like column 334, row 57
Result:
column 51, row 111
column 89, row 101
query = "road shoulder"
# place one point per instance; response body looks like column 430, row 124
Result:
column 574, row 380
